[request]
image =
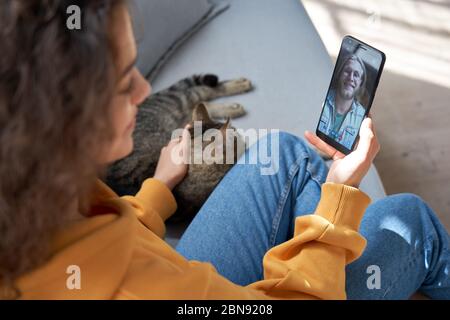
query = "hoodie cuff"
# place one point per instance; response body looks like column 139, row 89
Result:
column 342, row 205
column 156, row 195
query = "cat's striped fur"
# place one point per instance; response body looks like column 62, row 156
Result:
column 162, row 113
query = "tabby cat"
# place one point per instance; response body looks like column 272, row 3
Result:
column 162, row 113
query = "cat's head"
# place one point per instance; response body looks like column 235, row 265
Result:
column 204, row 128
column 208, row 162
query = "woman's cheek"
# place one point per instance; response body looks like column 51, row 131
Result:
column 121, row 115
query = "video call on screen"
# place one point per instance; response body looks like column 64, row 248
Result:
column 351, row 90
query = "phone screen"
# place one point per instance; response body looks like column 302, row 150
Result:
column 350, row 94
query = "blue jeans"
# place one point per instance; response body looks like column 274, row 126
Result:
column 248, row 213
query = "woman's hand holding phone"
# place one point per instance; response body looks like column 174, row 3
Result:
column 350, row 169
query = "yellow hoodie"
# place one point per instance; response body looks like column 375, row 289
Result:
column 119, row 253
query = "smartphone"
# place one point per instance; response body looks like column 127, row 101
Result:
column 350, row 95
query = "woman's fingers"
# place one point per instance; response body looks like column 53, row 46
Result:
column 185, row 143
column 319, row 143
column 181, row 145
column 185, row 136
column 323, row 146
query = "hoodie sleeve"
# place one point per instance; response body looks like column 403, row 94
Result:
column 312, row 264
column 154, row 204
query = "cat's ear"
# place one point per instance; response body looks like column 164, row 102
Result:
column 200, row 113
column 225, row 126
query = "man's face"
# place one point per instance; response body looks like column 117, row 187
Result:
column 350, row 79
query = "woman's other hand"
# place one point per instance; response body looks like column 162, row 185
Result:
column 350, row 169
column 173, row 162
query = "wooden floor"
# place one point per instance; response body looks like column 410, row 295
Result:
column 412, row 106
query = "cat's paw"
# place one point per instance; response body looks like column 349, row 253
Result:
column 234, row 110
column 236, row 86
column 225, row 110
column 244, row 84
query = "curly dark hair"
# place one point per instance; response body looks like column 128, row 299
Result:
column 56, row 86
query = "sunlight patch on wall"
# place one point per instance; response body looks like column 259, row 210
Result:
column 415, row 35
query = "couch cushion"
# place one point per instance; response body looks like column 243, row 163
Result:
column 162, row 25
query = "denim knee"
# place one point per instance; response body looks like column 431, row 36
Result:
column 412, row 201
column 408, row 208
column 414, row 198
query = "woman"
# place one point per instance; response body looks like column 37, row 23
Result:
column 68, row 100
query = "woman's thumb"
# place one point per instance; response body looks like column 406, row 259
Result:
column 366, row 135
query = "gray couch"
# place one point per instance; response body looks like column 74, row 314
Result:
column 274, row 44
